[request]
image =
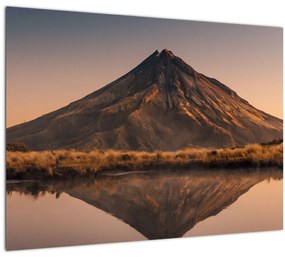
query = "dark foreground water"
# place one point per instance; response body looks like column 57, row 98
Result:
column 139, row 206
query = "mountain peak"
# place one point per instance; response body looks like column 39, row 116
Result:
column 167, row 53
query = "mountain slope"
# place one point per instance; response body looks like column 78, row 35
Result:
column 162, row 104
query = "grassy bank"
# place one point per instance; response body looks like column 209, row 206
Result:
column 73, row 163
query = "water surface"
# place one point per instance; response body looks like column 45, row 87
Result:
column 139, row 206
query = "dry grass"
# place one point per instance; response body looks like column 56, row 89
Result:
column 74, row 163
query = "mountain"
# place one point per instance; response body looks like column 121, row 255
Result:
column 162, row 104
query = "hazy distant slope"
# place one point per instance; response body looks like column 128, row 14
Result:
column 162, row 104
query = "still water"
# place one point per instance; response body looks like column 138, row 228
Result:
column 142, row 205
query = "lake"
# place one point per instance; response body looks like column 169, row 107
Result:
column 120, row 207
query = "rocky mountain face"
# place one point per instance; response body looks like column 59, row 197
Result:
column 162, row 104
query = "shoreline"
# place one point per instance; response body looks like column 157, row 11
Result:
column 73, row 164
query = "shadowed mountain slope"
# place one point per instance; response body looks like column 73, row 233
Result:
column 162, row 104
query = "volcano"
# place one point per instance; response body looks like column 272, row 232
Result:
column 162, row 104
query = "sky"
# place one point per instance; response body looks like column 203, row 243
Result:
column 54, row 57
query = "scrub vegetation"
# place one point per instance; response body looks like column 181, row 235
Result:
column 75, row 163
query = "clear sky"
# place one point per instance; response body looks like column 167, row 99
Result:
column 54, row 58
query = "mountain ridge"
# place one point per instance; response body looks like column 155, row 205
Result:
column 161, row 98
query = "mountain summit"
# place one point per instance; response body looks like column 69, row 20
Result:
column 162, row 104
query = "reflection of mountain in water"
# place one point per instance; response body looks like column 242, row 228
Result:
column 163, row 205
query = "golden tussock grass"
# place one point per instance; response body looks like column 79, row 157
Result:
column 72, row 163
